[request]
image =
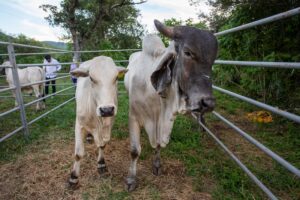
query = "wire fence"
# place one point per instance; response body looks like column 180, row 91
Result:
column 266, row 150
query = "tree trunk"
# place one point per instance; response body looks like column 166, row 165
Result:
column 77, row 46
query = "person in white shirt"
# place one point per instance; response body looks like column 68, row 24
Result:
column 50, row 72
column 73, row 67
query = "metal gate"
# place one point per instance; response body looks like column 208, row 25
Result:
column 284, row 65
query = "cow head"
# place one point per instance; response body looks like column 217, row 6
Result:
column 5, row 70
column 188, row 61
column 102, row 77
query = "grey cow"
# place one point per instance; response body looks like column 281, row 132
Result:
column 162, row 82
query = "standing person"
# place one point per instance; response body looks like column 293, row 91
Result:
column 50, row 71
column 73, row 67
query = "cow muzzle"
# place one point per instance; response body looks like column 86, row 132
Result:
column 206, row 104
column 107, row 111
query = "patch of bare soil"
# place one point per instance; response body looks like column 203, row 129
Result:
column 239, row 145
column 43, row 174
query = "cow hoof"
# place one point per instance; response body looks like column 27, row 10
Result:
column 156, row 170
column 202, row 129
column 73, row 184
column 102, row 170
column 130, row 184
column 156, row 167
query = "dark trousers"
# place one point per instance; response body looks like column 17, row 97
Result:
column 74, row 80
column 47, row 86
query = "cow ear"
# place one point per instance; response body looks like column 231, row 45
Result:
column 79, row 73
column 161, row 78
column 122, row 71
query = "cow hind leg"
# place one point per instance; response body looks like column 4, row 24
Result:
column 37, row 95
column 89, row 138
column 79, row 153
column 156, row 164
column 135, row 152
column 15, row 97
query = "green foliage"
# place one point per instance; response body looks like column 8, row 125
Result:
column 278, row 41
column 91, row 23
column 178, row 22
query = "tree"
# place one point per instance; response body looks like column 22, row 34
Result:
column 92, row 21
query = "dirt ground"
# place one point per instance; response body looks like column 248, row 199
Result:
column 42, row 173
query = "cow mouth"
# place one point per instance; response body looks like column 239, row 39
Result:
column 199, row 117
column 201, row 110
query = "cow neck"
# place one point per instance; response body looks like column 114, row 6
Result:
column 173, row 103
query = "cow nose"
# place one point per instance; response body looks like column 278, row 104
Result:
column 107, row 111
column 208, row 103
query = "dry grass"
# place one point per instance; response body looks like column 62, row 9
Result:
column 43, row 174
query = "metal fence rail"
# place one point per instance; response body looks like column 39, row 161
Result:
column 11, row 134
column 239, row 163
column 9, row 111
column 29, row 84
column 261, row 21
column 31, row 46
column 53, row 109
column 65, row 52
column 285, row 114
column 282, row 113
column 18, row 94
column 50, row 95
column 265, row 149
column 285, row 65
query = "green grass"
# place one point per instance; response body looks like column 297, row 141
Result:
column 211, row 170
column 58, row 120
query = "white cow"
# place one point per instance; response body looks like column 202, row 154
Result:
column 27, row 76
column 96, row 107
column 163, row 82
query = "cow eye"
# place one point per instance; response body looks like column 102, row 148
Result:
column 187, row 53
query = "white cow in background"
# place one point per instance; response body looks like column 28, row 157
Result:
column 96, row 107
column 27, row 76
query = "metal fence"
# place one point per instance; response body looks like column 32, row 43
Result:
column 275, row 110
column 21, row 105
column 285, row 65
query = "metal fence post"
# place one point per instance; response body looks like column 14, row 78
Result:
column 19, row 98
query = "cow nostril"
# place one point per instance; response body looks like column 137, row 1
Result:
column 208, row 102
column 107, row 111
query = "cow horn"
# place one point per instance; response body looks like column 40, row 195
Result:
column 165, row 30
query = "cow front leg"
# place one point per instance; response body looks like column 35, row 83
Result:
column 135, row 151
column 102, row 169
column 156, row 164
column 79, row 153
